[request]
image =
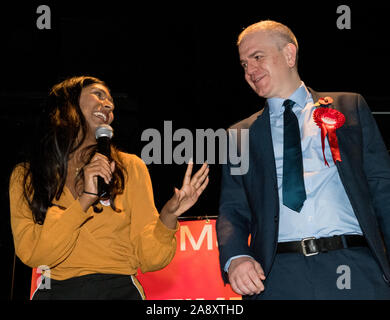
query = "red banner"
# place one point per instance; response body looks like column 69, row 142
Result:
column 35, row 281
column 192, row 274
column 194, row 271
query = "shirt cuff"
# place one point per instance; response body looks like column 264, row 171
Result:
column 227, row 264
column 163, row 233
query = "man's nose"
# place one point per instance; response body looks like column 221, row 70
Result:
column 251, row 68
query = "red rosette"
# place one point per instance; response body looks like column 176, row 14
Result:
column 329, row 117
column 329, row 120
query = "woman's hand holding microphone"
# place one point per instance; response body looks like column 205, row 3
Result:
column 98, row 166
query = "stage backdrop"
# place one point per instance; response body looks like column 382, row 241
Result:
column 192, row 274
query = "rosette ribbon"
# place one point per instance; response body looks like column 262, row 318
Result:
column 329, row 120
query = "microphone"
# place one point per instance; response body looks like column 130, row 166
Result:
column 103, row 135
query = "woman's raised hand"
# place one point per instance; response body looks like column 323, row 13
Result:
column 187, row 196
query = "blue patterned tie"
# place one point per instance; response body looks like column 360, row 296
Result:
column 294, row 193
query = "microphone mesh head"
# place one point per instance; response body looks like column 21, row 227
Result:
column 104, row 131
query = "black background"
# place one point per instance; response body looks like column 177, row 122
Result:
column 171, row 61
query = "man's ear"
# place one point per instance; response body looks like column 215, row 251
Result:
column 290, row 54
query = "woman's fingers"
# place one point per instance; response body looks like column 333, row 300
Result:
column 200, row 176
column 197, row 183
column 187, row 175
column 178, row 196
column 99, row 169
column 203, row 186
column 200, row 179
column 99, row 166
column 189, row 193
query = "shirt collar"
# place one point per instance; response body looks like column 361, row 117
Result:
column 299, row 96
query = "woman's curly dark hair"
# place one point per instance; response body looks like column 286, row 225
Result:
column 62, row 131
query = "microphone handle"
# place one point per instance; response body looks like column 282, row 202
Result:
column 103, row 147
column 103, row 189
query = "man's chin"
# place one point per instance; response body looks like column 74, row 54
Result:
column 261, row 93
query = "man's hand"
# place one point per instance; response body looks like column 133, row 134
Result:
column 246, row 276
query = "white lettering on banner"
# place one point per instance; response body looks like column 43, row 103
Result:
column 207, row 229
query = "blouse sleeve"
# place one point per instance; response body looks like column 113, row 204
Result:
column 47, row 244
column 155, row 244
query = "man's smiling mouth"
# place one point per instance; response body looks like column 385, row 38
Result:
column 258, row 79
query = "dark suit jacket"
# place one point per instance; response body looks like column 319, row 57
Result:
column 249, row 203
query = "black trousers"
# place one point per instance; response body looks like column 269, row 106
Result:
column 351, row 274
column 89, row 287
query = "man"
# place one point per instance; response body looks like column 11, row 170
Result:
column 317, row 217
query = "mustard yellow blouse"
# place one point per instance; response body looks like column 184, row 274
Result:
column 73, row 243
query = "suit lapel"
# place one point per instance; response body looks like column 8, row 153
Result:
column 260, row 134
column 261, row 146
column 315, row 95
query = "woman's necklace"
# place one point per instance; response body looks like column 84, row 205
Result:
column 77, row 166
column 77, row 171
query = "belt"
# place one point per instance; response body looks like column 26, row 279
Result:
column 312, row 246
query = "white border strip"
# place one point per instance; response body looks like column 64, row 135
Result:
column 142, row 297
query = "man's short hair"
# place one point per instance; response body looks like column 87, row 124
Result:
column 282, row 34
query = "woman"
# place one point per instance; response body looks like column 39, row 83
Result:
column 91, row 249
